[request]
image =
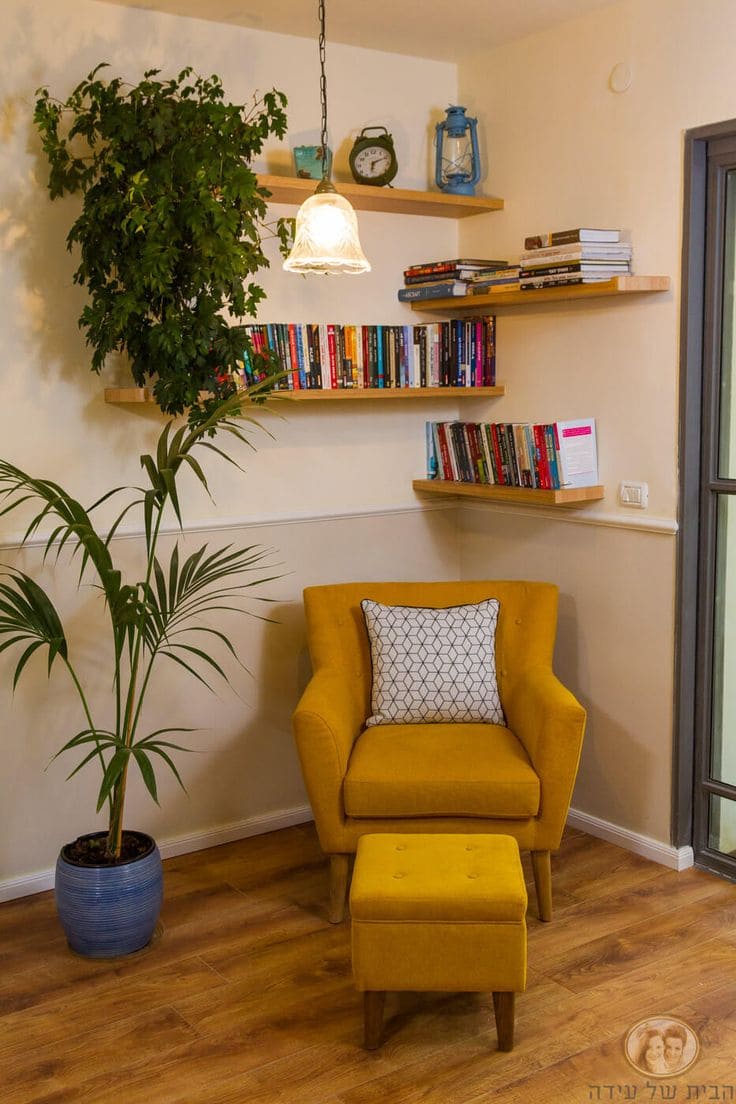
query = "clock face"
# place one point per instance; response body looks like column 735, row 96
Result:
column 372, row 162
column 372, row 158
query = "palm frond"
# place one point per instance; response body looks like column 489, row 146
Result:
column 164, row 615
column 206, row 582
column 18, row 487
column 28, row 616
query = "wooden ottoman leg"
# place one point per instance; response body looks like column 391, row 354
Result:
column 373, row 1003
column 339, row 868
column 503, row 1008
column 542, row 870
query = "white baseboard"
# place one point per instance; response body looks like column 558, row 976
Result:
column 241, row 829
column 180, row 845
column 676, row 858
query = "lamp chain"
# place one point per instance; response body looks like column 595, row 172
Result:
column 323, row 86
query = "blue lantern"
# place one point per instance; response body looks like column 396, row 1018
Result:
column 457, row 168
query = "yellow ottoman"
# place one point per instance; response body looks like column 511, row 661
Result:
column 441, row 913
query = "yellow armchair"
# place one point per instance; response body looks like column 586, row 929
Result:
column 515, row 779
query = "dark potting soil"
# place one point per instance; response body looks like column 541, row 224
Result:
column 90, row 850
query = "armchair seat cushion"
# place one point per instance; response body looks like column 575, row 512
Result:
column 439, row 770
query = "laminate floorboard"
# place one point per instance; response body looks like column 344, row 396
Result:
column 246, row 995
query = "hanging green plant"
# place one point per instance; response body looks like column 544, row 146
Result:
column 171, row 226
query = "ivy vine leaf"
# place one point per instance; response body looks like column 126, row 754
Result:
column 170, row 231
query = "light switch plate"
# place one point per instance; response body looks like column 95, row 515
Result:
column 632, row 493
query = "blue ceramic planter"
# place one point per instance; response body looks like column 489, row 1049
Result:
column 110, row 910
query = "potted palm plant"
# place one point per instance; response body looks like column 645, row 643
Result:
column 109, row 883
column 171, row 227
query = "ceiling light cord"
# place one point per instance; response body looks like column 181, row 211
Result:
column 323, row 86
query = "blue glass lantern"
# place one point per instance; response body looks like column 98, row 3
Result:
column 457, row 168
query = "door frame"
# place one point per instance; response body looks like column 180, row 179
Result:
column 699, row 330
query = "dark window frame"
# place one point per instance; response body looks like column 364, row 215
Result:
column 700, row 340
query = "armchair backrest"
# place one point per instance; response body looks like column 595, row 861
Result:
column 525, row 635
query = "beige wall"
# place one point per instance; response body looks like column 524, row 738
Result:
column 613, row 647
column 565, row 150
column 355, row 465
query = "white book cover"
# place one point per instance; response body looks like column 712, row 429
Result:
column 324, row 357
column 578, row 453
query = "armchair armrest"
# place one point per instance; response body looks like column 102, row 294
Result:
column 550, row 722
column 327, row 721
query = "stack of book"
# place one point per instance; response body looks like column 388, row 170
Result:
column 581, row 256
column 548, row 457
column 329, row 356
column 495, row 279
column 440, row 279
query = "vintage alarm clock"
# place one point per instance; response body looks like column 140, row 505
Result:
column 373, row 157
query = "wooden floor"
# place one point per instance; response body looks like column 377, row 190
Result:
column 246, row 997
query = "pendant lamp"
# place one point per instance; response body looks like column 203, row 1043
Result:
column 326, row 236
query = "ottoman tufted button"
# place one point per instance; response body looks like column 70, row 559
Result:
column 517, row 621
column 472, row 875
column 398, row 875
column 401, row 847
column 470, row 847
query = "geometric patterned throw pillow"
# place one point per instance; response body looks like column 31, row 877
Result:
column 433, row 665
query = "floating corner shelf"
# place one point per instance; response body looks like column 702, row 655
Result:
column 619, row 285
column 527, row 496
column 139, row 395
column 396, row 201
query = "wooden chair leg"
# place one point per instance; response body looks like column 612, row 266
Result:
column 503, row 1009
column 373, row 1003
column 542, row 868
column 339, row 870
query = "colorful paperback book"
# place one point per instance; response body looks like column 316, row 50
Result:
column 590, row 268
column 433, row 467
column 433, row 291
column 584, row 234
column 529, row 283
column 448, row 266
column 494, row 285
column 578, row 251
column 566, row 237
column 439, row 277
column 508, row 272
column 578, row 453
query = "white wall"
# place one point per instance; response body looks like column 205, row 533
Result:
column 353, row 465
column 564, row 150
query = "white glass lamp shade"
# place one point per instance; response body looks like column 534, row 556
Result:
column 326, row 238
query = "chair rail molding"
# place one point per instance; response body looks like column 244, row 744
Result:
column 662, row 526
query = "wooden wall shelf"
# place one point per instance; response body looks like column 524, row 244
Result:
column 397, row 201
column 136, row 395
column 566, row 496
column 619, row 285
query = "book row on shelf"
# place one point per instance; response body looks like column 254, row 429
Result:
column 327, row 356
column 545, row 456
column 580, row 256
